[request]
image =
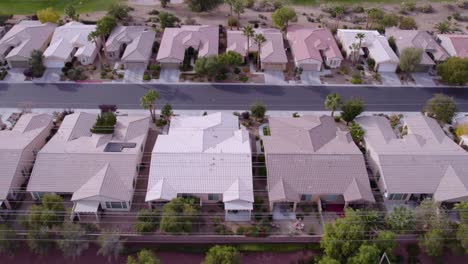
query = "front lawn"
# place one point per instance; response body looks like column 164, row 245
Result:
column 23, row 7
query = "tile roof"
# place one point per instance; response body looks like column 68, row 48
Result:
column 455, row 45
column 175, row 41
column 139, row 41
column 12, row 144
column 272, row 50
column 377, row 44
column 419, row 39
column 423, row 161
column 25, row 37
column 202, row 155
column 311, row 155
column 68, row 37
column 75, row 160
column 306, row 43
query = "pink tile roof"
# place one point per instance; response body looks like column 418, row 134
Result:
column 272, row 50
column 205, row 39
column 306, row 43
column 457, row 44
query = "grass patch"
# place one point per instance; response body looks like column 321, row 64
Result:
column 24, row 7
column 277, row 247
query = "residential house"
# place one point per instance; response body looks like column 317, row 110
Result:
column 455, row 45
column 18, row 43
column 311, row 160
column 95, row 171
column 71, row 41
column 432, row 54
column 133, row 45
column 373, row 45
column 272, row 53
column 18, row 149
column 313, row 46
column 419, row 163
column 206, row 157
column 198, row 41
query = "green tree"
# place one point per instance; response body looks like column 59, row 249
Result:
column 351, row 109
column 462, row 231
column 259, row 39
column 48, row 15
column 385, row 241
column 401, row 220
column 120, row 12
column 166, row 112
column 147, row 221
column 167, row 19
column 222, row 254
column 50, row 213
column 441, row 107
column 356, row 131
column 178, row 215
column 432, row 242
column 8, row 244
column 239, row 8
column 410, row 58
column 407, row 23
column 249, row 33
column 443, row 27
column 258, row 110
column 209, row 67
column 104, row 27
column 39, row 240
column 110, row 245
column 328, row 260
column 37, row 66
column 366, row 254
column 454, row 71
column 145, row 256
column 148, row 102
column 339, row 11
column 71, row 12
column 373, row 14
column 74, row 240
column 105, row 123
column 333, row 102
column 203, row 5
column 342, row 238
column 283, row 16
column 230, row 59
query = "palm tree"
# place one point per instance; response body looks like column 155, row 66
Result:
column 339, row 10
column 360, row 37
column 333, row 102
column 248, row 33
column 111, row 245
column 259, row 40
column 443, row 27
column 239, row 9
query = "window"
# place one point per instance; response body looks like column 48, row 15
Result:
column 306, row 197
column 213, row 197
column 116, row 205
column 331, row 198
column 397, row 196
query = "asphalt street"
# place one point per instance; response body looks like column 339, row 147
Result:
column 219, row 97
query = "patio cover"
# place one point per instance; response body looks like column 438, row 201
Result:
column 238, row 205
column 86, row 207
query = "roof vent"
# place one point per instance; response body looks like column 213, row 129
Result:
column 118, row 146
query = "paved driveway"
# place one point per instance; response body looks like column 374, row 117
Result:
column 390, row 79
column 274, row 77
column 311, row 77
column 50, row 75
column 15, row 75
column 134, row 74
column 169, row 75
column 423, row 79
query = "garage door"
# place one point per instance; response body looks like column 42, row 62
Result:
column 273, row 67
column 134, row 65
column 387, row 67
column 170, row 65
column 310, row 67
column 54, row 64
column 18, row 64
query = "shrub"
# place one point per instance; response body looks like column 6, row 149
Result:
column 408, row 23
column 161, row 122
column 3, row 74
column 232, row 22
column 107, row 108
column 147, row 221
column 426, row 8
column 371, row 63
column 153, row 12
column 243, row 78
column 245, row 115
column 406, row 7
column 249, row 3
column 337, row 118
column 356, row 78
column 442, row 107
column 360, row 67
column 454, row 71
column 146, row 77
column 105, row 123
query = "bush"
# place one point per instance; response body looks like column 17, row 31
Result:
column 161, row 122
column 107, row 108
column 454, row 71
column 153, row 12
column 360, row 67
column 147, row 221
column 426, row 8
column 408, row 23
column 232, row 22
column 356, row 78
column 249, row 3
column 243, row 78
column 337, row 118
column 146, row 77
column 406, row 7
column 371, row 63
column 3, row 74
column 105, row 123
